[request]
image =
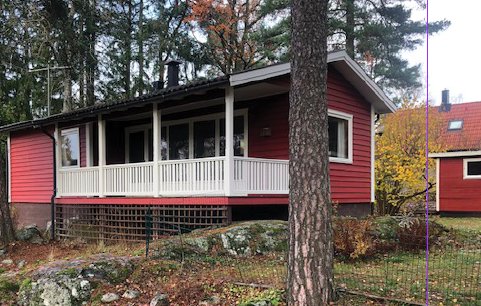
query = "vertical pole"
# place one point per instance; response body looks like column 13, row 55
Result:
column 101, row 131
column 229, row 141
column 58, row 158
column 48, row 91
column 156, row 130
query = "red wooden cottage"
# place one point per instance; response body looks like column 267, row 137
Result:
column 458, row 171
column 198, row 154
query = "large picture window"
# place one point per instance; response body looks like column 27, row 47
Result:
column 197, row 137
column 340, row 137
column 472, row 168
column 70, row 147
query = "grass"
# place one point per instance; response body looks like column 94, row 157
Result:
column 454, row 276
column 470, row 225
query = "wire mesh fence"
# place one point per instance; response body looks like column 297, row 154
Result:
column 454, row 274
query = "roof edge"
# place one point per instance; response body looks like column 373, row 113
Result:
column 454, row 154
column 377, row 97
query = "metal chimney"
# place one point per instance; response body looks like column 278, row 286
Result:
column 445, row 105
column 172, row 73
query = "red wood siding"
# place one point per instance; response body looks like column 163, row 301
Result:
column 270, row 113
column 457, row 194
column 31, row 167
column 350, row 183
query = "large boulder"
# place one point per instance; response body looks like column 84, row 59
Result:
column 240, row 239
column 70, row 282
column 30, row 233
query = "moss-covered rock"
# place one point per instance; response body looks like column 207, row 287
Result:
column 71, row 282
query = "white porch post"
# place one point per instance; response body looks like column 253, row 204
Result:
column 58, row 161
column 101, row 131
column 156, row 127
column 229, row 141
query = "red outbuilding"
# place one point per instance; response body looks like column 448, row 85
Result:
column 458, row 170
column 198, row 154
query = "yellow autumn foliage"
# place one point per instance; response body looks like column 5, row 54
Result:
column 400, row 155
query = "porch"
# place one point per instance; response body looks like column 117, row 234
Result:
column 193, row 150
column 189, row 177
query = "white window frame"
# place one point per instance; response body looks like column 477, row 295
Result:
column 465, row 169
column 453, row 121
column 349, row 119
column 216, row 116
column 66, row 132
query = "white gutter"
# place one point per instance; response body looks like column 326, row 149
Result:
column 455, row 154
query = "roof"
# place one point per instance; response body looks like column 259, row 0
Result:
column 161, row 94
column 339, row 59
column 343, row 63
column 468, row 138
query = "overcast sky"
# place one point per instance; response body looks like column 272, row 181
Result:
column 455, row 54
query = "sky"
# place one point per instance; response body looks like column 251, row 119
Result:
column 454, row 60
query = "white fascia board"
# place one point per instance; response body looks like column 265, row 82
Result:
column 259, row 74
column 346, row 66
column 455, row 154
column 356, row 75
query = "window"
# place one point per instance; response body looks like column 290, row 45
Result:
column 340, row 137
column 455, row 125
column 472, row 168
column 70, row 147
column 179, row 141
column 239, row 142
column 204, row 139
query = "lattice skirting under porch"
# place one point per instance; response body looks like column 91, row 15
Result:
column 129, row 222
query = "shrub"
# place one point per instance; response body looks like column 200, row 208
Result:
column 352, row 238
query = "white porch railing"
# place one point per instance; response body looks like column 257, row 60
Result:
column 191, row 177
column 261, row 176
column 78, row 181
column 129, row 179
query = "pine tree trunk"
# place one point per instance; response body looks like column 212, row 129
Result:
column 91, row 61
column 350, row 26
column 310, row 263
column 128, row 52
column 140, row 42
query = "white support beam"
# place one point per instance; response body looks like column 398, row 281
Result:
column 156, row 131
column 102, row 155
column 229, row 141
column 58, row 161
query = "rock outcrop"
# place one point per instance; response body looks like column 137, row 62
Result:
column 70, row 282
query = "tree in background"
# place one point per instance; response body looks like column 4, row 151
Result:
column 239, row 34
column 376, row 32
column 310, row 263
column 400, row 156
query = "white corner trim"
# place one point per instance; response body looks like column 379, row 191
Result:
column 438, row 165
column 373, row 154
column 465, row 169
column 455, row 154
column 349, row 118
column 9, row 168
